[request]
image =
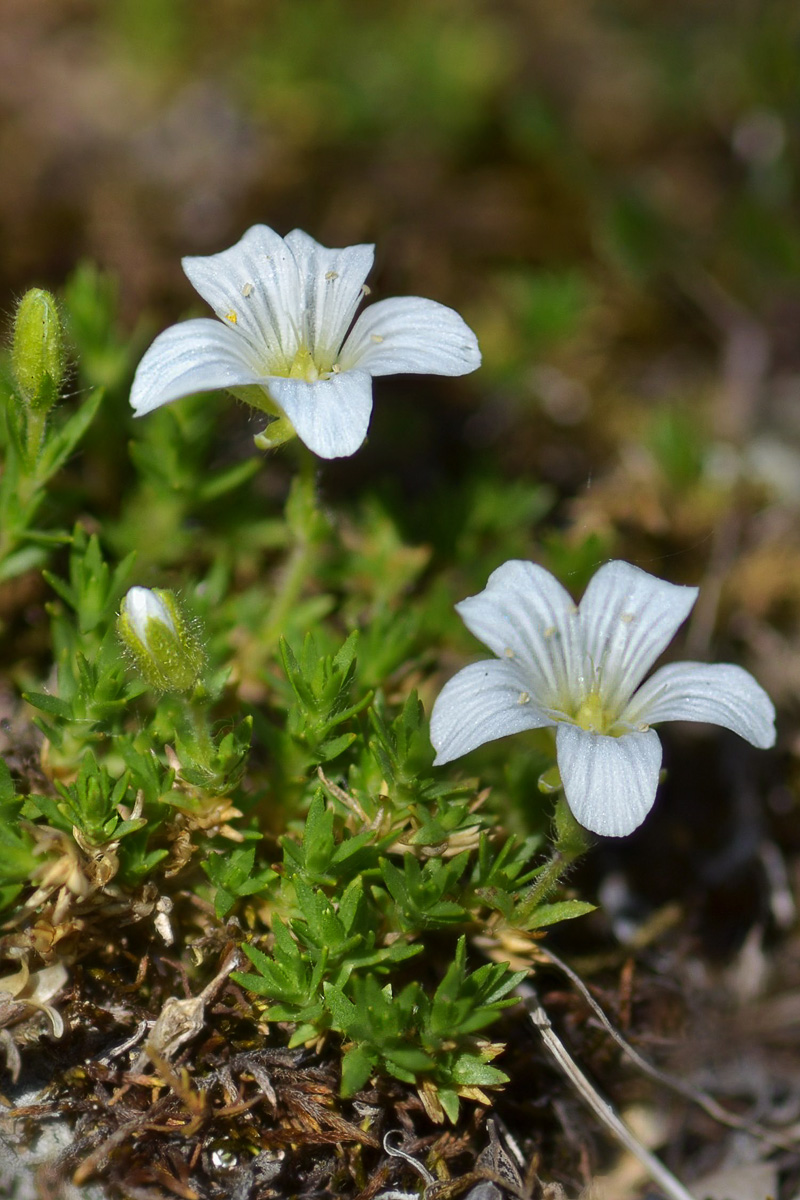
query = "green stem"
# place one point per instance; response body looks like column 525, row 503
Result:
column 34, row 434
column 549, row 877
column 20, row 488
column 301, row 559
column 571, row 844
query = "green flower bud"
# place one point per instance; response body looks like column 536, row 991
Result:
column 163, row 646
column 550, row 781
column 276, row 433
column 37, row 355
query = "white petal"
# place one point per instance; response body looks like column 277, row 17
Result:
column 610, row 783
column 484, row 701
column 410, row 336
column 628, row 618
column 141, row 605
column 524, row 613
column 255, row 288
column 720, row 693
column 332, row 283
column 195, row 356
column 331, row 415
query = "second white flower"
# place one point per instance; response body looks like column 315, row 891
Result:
column 579, row 669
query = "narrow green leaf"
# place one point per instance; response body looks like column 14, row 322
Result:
column 53, row 705
column 450, row 1103
column 551, row 914
column 21, row 561
column 61, row 445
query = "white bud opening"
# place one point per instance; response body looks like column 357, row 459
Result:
column 141, row 606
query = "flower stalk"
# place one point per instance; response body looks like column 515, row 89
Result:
column 571, row 843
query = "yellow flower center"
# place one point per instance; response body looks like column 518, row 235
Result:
column 593, row 716
column 305, row 367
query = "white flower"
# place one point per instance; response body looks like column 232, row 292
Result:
column 285, row 309
column 579, row 669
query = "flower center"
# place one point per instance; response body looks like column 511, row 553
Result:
column 593, row 716
column 305, row 367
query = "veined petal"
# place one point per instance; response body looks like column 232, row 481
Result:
column 195, row 356
column 610, row 782
column 332, row 284
column 720, row 693
column 330, row 415
column 410, row 336
column 524, row 613
column 628, row 618
column 255, row 288
column 484, row 701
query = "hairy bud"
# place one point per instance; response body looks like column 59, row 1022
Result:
column 162, row 644
column 37, row 354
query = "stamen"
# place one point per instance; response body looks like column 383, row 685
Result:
column 331, row 275
column 524, row 698
column 375, row 337
column 509, row 653
column 231, row 316
column 246, row 289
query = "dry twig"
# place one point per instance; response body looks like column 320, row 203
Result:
column 600, row 1107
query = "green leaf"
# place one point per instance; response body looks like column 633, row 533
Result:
column 342, row 1010
column 411, row 1059
column 563, row 910
column 450, row 1102
column 469, row 1070
column 357, row 1066
column 61, row 445
column 259, row 984
column 333, row 747
column 345, row 657
column 229, row 479
column 7, row 789
column 26, row 559
column 53, row 705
